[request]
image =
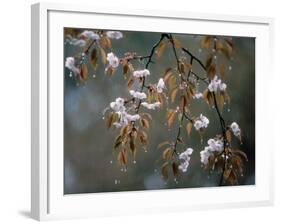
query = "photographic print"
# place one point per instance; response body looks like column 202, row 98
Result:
column 149, row 111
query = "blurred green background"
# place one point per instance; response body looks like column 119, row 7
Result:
column 90, row 166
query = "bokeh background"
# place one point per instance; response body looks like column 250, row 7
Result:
column 89, row 164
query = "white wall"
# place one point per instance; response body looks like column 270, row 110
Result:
column 15, row 110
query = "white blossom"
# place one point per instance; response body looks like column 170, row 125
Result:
column 90, row 35
column 201, row 122
column 216, row 84
column 235, row 129
column 123, row 117
column 70, row 64
column 151, row 106
column 112, row 60
column 198, row 95
column 214, row 145
column 75, row 41
column 138, row 95
column 118, row 105
column 185, row 158
column 114, row 34
column 141, row 73
column 160, row 85
column 204, row 155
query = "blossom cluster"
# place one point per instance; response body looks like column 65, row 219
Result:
column 141, row 73
column 216, row 84
column 113, row 60
column 120, row 109
column 70, row 64
column 95, row 36
column 235, row 129
column 185, row 158
column 160, row 85
column 138, row 95
column 214, row 145
column 151, row 106
column 74, row 41
column 201, row 122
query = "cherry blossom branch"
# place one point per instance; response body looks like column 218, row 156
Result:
column 149, row 57
column 221, row 119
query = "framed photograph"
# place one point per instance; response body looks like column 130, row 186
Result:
column 148, row 111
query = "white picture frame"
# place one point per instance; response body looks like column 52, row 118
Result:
column 48, row 201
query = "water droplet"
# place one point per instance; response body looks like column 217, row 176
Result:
column 199, row 50
column 111, row 161
column 155, row 170
column 228, row 110
column 214, row 50
column 145, row 150
column 103, row 118
column 229, row 67
column 215, row 57
column 134, row 161
column 70, row 74
column 94, row 76
column 118, row 181
column 121, row 169
column 115, row 181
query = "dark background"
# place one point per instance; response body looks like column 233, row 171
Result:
column 90, row 166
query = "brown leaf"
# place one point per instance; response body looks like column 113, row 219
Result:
column 206, row 42
column 172, row 82
column 209, row 61
column 103, row 55
column 130, row 82
column 218, row 45
column 122, row 157
column 183, row 101
column 111, row 118
column 144, row 123
column 142, row 137
column 109, row 70
column 211, row 72
column 160, row 48
column 126, row 69
column 239, row 152
column 170, row 117
column 163, row 144
column 165, row 170
column 168, row 73
column 83, row 72
column 226, row 174
column 175, row 168
column 105, row 42
column 118, row 141
column 222, row 70
column 177, row 43
column 167, row 153
column 189, row 128
column 133, row 147
column 228, row 135
column 174, row 94
column 94, row 58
